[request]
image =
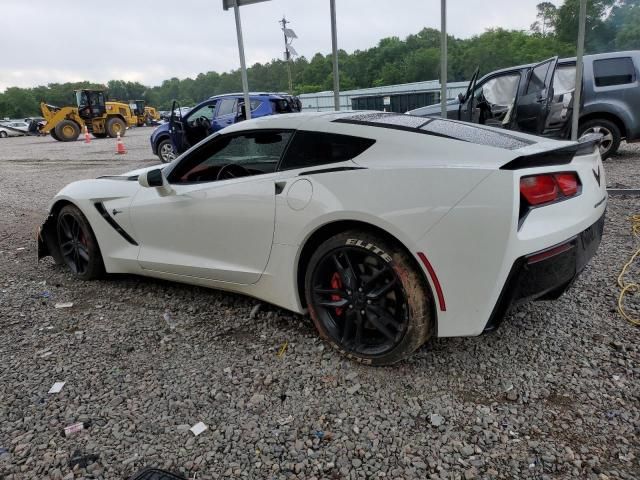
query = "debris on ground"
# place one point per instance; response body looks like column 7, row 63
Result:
column 82, row 460
column 64, row 305
column 56, row 387
column 255, row 310
column 198, row 428
column 74, row 428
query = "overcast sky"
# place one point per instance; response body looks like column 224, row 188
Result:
column 44, row 41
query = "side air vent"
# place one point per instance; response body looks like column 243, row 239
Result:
column 103, row 211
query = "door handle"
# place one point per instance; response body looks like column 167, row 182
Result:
column 280, row 187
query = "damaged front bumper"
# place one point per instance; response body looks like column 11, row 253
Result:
column 46, row 238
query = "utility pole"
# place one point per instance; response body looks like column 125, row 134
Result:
column 443, row 58
column 577, row 93
column 334, row 44
column 287, row 49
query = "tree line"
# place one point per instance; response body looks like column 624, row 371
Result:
column 611, row 25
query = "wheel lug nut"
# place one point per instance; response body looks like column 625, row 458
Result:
column 369, row 302
column 362, row 312
column 359, row 289
column 350, row 306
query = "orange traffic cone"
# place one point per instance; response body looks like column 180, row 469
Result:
column 87, row 138
column 120, row 150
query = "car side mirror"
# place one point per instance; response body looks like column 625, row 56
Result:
column 155, row 179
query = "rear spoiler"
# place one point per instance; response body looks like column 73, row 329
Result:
column 560, row 156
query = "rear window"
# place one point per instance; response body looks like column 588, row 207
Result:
column 613, row 71
column 438, row 127
column 309, row 149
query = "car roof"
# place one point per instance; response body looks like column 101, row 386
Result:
column 596, row 56
column 251, row 94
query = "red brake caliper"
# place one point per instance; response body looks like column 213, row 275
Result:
column 336, row 282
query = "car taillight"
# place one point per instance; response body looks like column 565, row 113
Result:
column 549, row 188
column 568, row 183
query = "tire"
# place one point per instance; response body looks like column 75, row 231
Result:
column 3, row 134
column 114, row 126
column 52, row 132
column 611, row 132
column 67, row 131
column 166, row 152
column 389, row 302
column 100, row 135
column 77, row 243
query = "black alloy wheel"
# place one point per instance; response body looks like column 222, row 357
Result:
column 357, row 294
column 73, row 244
column 361, row 302
column 77, row 244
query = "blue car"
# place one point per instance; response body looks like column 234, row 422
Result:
column 177, row 136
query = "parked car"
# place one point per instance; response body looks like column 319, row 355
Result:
column 538, row 99
column 185, row 130
column 13, row 129
column 388, row 229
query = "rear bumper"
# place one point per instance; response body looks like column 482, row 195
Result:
column 546, row 274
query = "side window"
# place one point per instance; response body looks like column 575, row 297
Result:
column 499, row 90
column 613, row 71
column 309, row 149
column 227, row 106
column 204, row 111
column 253, row 152
column 538, row 76
column 255, row 104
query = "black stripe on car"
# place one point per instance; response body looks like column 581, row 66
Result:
column 103, row 211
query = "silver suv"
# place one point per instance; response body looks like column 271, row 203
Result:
column 538, row 99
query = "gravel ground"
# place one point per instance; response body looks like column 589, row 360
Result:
column 554, row 393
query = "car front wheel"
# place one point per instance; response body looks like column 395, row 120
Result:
column 368, row 299
column 166, row 152
column 77, row 243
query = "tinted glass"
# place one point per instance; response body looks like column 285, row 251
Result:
column 258, row 152
column 471, row 133
column 538, row 75
column 226, row 106
column 613, row 71
column 309, row 149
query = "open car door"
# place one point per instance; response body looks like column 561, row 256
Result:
column 465, row 107
column 176, row 128
column 533, row 106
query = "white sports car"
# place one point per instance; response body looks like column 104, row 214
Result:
column 388, row 229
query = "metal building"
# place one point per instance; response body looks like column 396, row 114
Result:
column 396, row 98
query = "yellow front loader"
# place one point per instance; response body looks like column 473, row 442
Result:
column 101, row 118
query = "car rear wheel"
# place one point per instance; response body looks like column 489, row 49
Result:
column 77, row 243
column 368, row 299
column 166, row 152
column 610, row 135
column 3, row 134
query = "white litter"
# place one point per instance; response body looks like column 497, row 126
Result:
column 198, row 428
column 64, row 305
column 56, row 387
column 286, row 420
column 20, row 248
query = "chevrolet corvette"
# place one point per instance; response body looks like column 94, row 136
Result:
column 387, row 229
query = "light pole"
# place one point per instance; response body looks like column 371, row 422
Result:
column 334, row 44
column 443, row 58
column 236, row 4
